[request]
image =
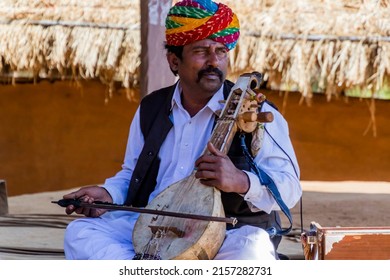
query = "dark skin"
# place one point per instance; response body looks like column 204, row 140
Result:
column 202, row 70
column 198, row 57
column 217, row 170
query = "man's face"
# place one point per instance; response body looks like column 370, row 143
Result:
column 203, row 66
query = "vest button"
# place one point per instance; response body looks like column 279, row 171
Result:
column 150, row 153
column 137, row 180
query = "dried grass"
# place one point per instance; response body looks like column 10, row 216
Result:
column 90, row 39
column 328, row 44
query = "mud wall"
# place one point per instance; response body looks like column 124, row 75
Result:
column 56, row 136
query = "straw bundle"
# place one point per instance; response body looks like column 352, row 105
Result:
column 87, row 39
column 304, row 45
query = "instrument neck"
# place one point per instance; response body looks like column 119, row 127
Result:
column 223, row 134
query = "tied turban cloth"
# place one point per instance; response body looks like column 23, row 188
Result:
column 193, row 20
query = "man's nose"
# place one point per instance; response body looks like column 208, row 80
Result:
column 213, row 59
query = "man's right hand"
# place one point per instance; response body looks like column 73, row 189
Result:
column 88, row 194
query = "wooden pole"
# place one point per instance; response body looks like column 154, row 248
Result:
column 3, row 198
column 155, row 71
column 47, row 23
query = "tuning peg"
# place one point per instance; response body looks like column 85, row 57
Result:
column 249, row 117
column 260, row 97
column 265, row 117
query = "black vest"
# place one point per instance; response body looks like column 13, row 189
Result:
column 155, row 125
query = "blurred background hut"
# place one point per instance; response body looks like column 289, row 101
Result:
column 317, row 46
column 65, row 39
column 72, row 74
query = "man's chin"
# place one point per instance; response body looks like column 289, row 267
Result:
column 211, row 86
column 211, row 83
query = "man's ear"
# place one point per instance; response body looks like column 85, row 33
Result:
column 173, row 61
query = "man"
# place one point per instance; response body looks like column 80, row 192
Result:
column 180, row 119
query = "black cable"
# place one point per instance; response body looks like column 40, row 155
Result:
column 267, row 181
column 296, row 173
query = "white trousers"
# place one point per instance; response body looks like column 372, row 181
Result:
column 110, row 238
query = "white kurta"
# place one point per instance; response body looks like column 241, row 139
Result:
column 110, row 236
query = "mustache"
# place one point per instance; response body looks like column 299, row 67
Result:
column 208, row 71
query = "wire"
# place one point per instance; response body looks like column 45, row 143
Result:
column 296, row 173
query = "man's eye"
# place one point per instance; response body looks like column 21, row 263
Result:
column 200, row 51
column 221, row 52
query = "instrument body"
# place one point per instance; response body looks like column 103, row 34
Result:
column 160, row 237
column 183, row 238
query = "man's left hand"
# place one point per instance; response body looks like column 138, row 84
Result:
column 217, row 170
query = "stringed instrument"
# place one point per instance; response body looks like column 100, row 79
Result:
column 167, row 237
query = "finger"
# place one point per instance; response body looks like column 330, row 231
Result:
column 204, row 158
column 88, row 212
column 212, row 159
column 213, row 150
column 86, row 199
column 206, row 175
column 71, row 195
column 69, row 209
column 79, row 210
column 83, row 211
column 209, row 182
column 205, row 166
column 95, row 213
column 75, row 195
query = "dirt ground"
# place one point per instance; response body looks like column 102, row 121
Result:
column 339, row 203
column 34, row 228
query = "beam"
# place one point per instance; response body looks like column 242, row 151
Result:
column 155, row 71
column 322, row 37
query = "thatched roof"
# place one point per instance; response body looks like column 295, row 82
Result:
column 327, row 45
column 88, row 39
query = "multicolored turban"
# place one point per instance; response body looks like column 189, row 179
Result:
column 193, row 20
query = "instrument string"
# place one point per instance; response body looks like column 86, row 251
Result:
column 164, row 224
column 217, row 138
